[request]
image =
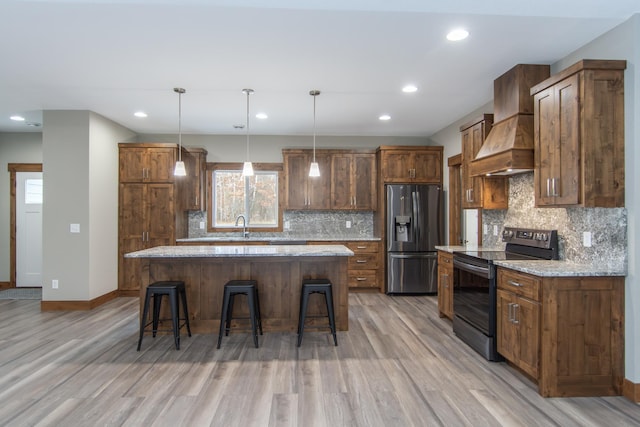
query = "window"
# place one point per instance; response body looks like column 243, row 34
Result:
column 33, row 191
column 254, row 197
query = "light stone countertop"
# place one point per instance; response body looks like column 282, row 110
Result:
column 276, row 239
column 210, row 251
column 560, row 268
column 544, row 268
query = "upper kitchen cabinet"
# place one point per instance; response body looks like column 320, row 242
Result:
column 353, row 180
column 579, row 136
column 480, row 191
column 193, row 189
column 303, row 192
column 147, row 162
column 409, row 164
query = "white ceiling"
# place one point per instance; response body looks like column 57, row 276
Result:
column 118, row 57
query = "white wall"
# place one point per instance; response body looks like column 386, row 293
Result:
column 14, row 148
column 80, row 165
column 103, row 203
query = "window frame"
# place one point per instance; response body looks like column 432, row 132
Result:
column 269, row 167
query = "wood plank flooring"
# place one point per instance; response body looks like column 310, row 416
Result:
column 398, row 365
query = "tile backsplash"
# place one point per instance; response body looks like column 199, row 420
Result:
column 303, row 224
column 608, row 226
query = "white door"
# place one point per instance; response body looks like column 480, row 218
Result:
column 29, row 229
column 470, row 227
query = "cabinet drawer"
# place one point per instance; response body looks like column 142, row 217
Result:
column 363, row 279
column 360, row 247
column 519, row 283
column 445, row 258
column 363, row 262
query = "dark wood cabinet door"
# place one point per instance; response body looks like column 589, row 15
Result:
column 160, row 210
column 160, row 163
column 428, row 167
column 527, row 316
column 296, row 174
column 133, row 166
column 507, row 341
column 557, row 144
column 397, row 166
column 341, row 181
column 364, row 181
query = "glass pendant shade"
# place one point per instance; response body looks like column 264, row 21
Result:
column 247, row 169
column 180, row 170
column 314, row 170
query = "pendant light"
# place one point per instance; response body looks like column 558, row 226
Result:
column 247, row 169
column 179, row 170
column 314, row 170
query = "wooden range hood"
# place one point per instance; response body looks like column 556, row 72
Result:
column 508, row 149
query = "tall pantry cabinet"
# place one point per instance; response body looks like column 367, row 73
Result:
column 146, row 205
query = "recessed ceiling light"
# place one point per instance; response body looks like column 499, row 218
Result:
column 457, row 35
column 17, row 118
column 409, row 89
column 384, row 117
column 140, row 114
column 261, row 116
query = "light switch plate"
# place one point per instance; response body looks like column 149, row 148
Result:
column 348, row 224
column 495, row 230
column 586, row 239
column 74, row 228
column 201, row 225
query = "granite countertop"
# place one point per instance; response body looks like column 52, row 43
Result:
column 277, row 239
column 561, row 268
column 545, row 268
column 210, row 251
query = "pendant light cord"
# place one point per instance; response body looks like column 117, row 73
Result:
column 179, row 126
column 248, row 92
column 314, row 128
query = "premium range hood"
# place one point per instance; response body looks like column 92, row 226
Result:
column 508, row 149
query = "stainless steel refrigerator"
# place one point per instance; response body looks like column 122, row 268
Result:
column 415, row 225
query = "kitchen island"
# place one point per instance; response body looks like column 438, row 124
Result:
column 278, row 269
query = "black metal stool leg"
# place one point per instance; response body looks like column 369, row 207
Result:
column 223, row 316
column 328, row 296
column 143, row 319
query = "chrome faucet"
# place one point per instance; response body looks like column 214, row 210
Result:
column 245, row 233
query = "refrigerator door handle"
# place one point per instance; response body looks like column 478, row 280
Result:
column 416, row 215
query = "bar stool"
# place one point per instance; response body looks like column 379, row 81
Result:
column 316, row 286
column 174, row 290
column 240, row 287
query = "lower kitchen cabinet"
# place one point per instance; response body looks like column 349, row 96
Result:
column 567, row 333
column 445, row 284
column 364, row 268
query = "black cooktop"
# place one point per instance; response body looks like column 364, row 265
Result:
column 495, row 255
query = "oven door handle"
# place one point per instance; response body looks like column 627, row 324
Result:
column 481, row 271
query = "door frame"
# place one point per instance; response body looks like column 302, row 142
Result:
column 13, row 168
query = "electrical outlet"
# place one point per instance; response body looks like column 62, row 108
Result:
column 348, row 224
column 202, row 225
column 485, row 229
column 54, row 284
column 586, row 239
column 74, row 228
column 495, row 230
column 287, row 225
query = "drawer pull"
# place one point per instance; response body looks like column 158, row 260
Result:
column 512, row 283
column 361, row 247
column 361, row 261
column 361, row 279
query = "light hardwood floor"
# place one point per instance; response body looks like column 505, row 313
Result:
column 398, row 365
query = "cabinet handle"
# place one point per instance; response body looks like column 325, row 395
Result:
column 548, row 187
column 361, row 279
column 361, row 261
column 196, row 200
column 512, row 283
column 361, row 247
column 447, row 260
column 554, row 186
column 516, row 311
column 471, row 195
